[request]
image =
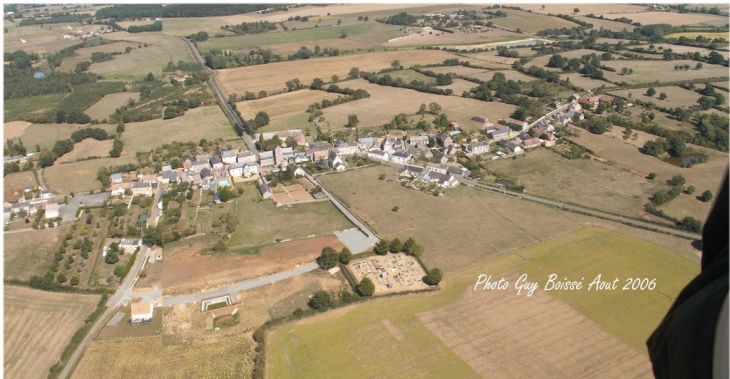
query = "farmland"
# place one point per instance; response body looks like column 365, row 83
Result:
column 602, row 8
column 29, row 253
column 650, row 71
column 14, row 128
column 258, row 78
column 85, row 149
column 15, row 183
column 84, row 54
column 139, row 355
column 386, row 102
column 605, row 24
column 25, row 108
column 671, row 18
column 531, row 22
column 79, row 176
column 694, row 35
column 480, row 74
column 45, row 135
column 676, row 96
column 417, row 335
column 284, row 105
column 429, row 36
column 38, row 326
column 106, row 106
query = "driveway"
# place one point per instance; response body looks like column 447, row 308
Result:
column 68, row 212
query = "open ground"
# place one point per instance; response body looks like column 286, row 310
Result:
column 38, row 326
column 13, row 184
column 430, row 36
column 143, row 356
column 290, row 194
column 109, row 103
column 45, row 135
column 531, row 22
column 485, row 75
column 650, row 71
column 446, row 332
column 29, row 253
column 386, row 102
column 86, row 148
column 14, row 128
column 676, row 96
column 694, row 35
column 25, row 108
column 79, row 176
column 584, row 8
column 671, row 18
column 283, row 105
column 84, row 54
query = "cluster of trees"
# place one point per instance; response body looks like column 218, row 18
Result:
column 505, row 52
column 13, row 148
column 117, row 147
column 595, row 125
column 132, row 11
column 418, row 85
column 98, row 134
column 410, row 246
column 104, row 173
column 260, row 120
column 177, row 108
column 305, row 53
column 17, row 86
column 251, row 27
column 217, row 59
column 98, row 56
column 199, row 36
column 153, row 27
column 673, row 145
column 56, row 18
column 401, row 18
column 330, row 258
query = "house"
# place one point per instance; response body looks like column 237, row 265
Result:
column 188, row 163
column 296, row 170
column 246, row 157
column 605, row 98
column 530, row 143
column 278, row 155
column 510, row 145
column 205, row 175
column 202, row 157
column 478, row 147
column 572, row 115
column 433, row 167
column 335, row 161
column 455, row 125
column 366, row 143
column 410, row 171
column 141, row 311
column 116, row 178
column 121, row 188
column 343, row 148
column 297, row 136
column 418, row 141
column 142, row 188
column 20, row 207
column 444, row 139
column 266, row 158
column 51, row 211
column 129, row 246
column 166, row 168
column 45, row 194
column 199, row 165
column 444, row 180
column 389, row 144
column 216, row 162
column 286, row 153
column 264, row 190
column 442, row 158
column 378, row 155
column 515, row 124
column 562, row 119
column 400, row 157
column 299, row 157
column 166, row 177
column 459, row 172
column 317, row 153
column 500, row 133
column 228, row 156
column 236, row 170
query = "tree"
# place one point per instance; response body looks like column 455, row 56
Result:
column 61, row 277
column 46, row 158
column 676, row 147
column 366, row 287
column 395, row 208
column 677, row 180
column 345, row 255
column 417, row 250
column 690, row 224
column 706, row 196
column 651, row 91
column 435, row 108
column 719, row 99
column 434, row 276
column 699, row 65
column 335, row 78
column 652, row 175
column 321, row 301
column 352, row 121
column 149, row 77
column 422, row 109
column 556, row 61
column 382, row 247
column 706, row 102
column 262, row 118
column 328, row 258
column 317, row 83
column 690, row 190
column 396, row 245
column 576, row 10
column 408, row 245
column 354, row 73
column 395, row 64
column 118, row 271
column 112, row 256
column 220, row 245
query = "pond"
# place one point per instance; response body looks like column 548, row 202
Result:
column 687, row 160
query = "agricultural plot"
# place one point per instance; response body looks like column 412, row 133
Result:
column 676, row 96
column 493, row 60
column 139, row 355
column 258, row 78
column 109, row 103
column 584, row 182
column 684, row 49
column 227, row 357
column 481, row 74
column 428, row 36
column 85, row 149
column 38, row 326
column 693, row 35
column 688, row 205
column 596, row 8
column 197, row 123
column 531, row 22
column 15, row 183
column 650, row 71
column 29, row 253
column 445, row 333
column 284, row 105
column 543, row 60
column 80, row 176
column 385, row 103
column 671, row 18
column 185, row 26
column 45, row 135
column 14, row 128
column 606, row 24
column 25, row 108
column 459, row 86
column 38, row 43
column 84, row 54
column 298, row 121
column 582, row 81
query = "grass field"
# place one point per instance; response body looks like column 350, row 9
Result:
column 429, row 36
column 694, row 35
column 185, row 26
column 257, row 78
column 284, row 105
column 298, row 121
column 584, row 8
column 672, row 18
column 459, row 86
column 676, row 96
column 663, row 71
column 582, row 81
column 25, row 108
column 481, row 74
column 13, row 184
column 143, row 356
column 584, row 182
column 46, row 135
column 84, row 54
column 87, row 148
column 109, row 103
column 543, row 60
column 386, row 102
column 38, row 326
column 147, row 135
column 80, row 176
column 29, row 253
column 465, row 333
column 531, row 22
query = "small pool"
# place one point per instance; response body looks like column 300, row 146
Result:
column 223, row 183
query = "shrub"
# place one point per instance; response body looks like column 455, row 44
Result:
column 366, row 287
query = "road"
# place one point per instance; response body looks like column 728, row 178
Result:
column 222, row 100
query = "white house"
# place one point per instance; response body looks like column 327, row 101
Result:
column 51, row 210
column 400, row 157
column 228, row 157
column 129, row 246
column 245, row 157
column 343, row 148
column 378, row 155
column 141, row 311
column 335, row 161
column 236, row 170
column 116, row 178
column 478, row 147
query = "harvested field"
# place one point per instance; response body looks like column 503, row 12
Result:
column 689, row 205
column 29, row 253
column 582, row 81
column 290, row 194
column 38, row 43
column 148, row 135
column 14, row 128
column 284, row 105
column 298, row 121
column 531, row 22
column 496, row 61
column 109, row 103
column 694, row 35
column 142, row 356
column 584, row 182
column 86, row 148
column 84, row 54
column 606, row 24
column 386, row 102
column 676, row 96
column 13, row 185
column 444, row 333
column 187, row 271
column 459, row 86
column 684, row 49
column 481, row 74
column 650, row 71
column 38, row 326
column 542, row 61
column 25, row 108
column 79, row 176
column 185, row 26
column 227, row 357
column 671, row 18
column 430, row 36
column 258, row 78
column 46, row 135
column 584, row 8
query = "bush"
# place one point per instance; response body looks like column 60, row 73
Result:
column 345, row 256
column 220, row 246
column 434, row 276
column 328, row 258
column 366, row 287
column 706, row 196
column 321, row 301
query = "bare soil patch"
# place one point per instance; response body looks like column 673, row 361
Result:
column 290, row 194
column 87, row 148
column 14, row 128
column 141, row 356
column 430, row 36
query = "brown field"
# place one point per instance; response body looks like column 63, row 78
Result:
column 585, row 182
column 148, row 135
column 459, row 86
column 46, row 135
column 185, row 269
column 606, row 24
column 584, row 8
column 29, row 253
column 109, row 103
column 531, row 22
column 284, row 105
column 382, row 106
column 14, row 128
column 38, row 326
column 671, row 18
column 48, row 42
column 257, row 78
column 290, row 194
column 13, row 185
column 683, row 49
column 650, row 71
column 688, row 205
column 582, row 81
column 143, row 356
column 495, row 60
column 86, row 148
column 429, row 36
column 542, row 61
column 502, row 335
column 84, row 54
column 353, row 43
column 676, row 96
column 482, row 74
column 79, row 176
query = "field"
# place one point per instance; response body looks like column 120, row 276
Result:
column 139, row 355
column 430, row 36
column 38, row 43
column 481, row 74
column 185, row 26
column 38, row 326
column 606, row 24
column 84, row 54
column 29, row 253
column 386, row 102
column 283, row 195
column 531, row 22
column 493, row 60
column 676, row 96
column 25, row 108
column 459, row 86
column 582, row 81
column 671, row 18
column 109, row 103
column 13, row 128
column 45, row 135
column 13, row 184
column 86, row 148
column 650, row 71
column 79, row 176
column 694, row 35
column 584, row 8
column 148, row 135
column 585, row 182
column 284, row 105
column 464, row 333
column 257, row 78
column 542, row 61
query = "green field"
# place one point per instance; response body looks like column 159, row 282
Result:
column 299, row 121
column 693, row 35
column 356, row 338
column 531, row 22
column 45, row 135
column 25, row 108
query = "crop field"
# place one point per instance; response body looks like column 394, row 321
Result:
column 334, row 10
column 671, row 18
column 38, row 326
column 466, row 333
column 25, row 108
column 15, row 183
column 531, row 22
column 87, row 148
column 84, row 54
column 542, row 61
column 38, row 43
column 257, row 78
column 582, row 81
column 694, row 35
column 676, row 96
column 410, row 75
column 143, row 356
column 265, row 222
column 614, row 26
column 148, row 135
column 228, row 357
column 80, row 176
column 585, row 182
column 459, row 86
column 650, row 71
column 14, row 128
column 109, row 103
column 284, row 105
column 385, row 103
column 185, row 26
column 429, row 36
column 29, row 253
column 493, row 60
column 684, row 49
column 481, row 74
column 46, row 135
column 298, row 121
column 584, row 8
